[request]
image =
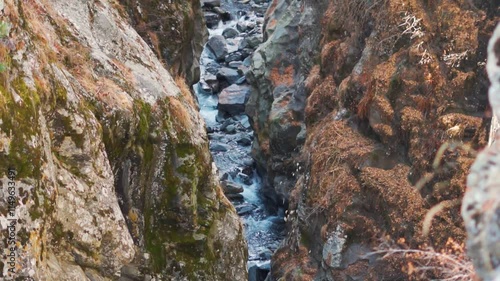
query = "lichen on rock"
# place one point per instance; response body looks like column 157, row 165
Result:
column 481, row 204
column 113, row 171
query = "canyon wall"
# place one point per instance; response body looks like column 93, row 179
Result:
column 107, row 152
column 367, row 115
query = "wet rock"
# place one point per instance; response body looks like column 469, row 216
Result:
column 204, row 87
column 218, row 46
column 211, row 19
column 259, row 272
column 224, row 15
column 212, row 67
column 231, row 187
column 251, row 42
column 245, row 178
column 245, row 141
column 265, row 254
column 234, row 56
column 211, row 81
column 228, row 75
column 235, row 65
column 219, row 147
column 235, row 197
column 231, row 129
column 232, row 99
column 245, row 26
column 226, row 123
column 210, row 3
column 244, row 209
column 248, row 163
column 230, row 32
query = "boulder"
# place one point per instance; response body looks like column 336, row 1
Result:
column 236, row 65
column 229, row 75
column 218, row 46
column 231, row 187
column 212, row 82
column 244, row 25
column 203, row 87
column 233, row 98
column 245, row 208
column 234, row 56
column 245, row 141
column 259, row 271
column 224, row 15
column 212, row 19
column 251, row 42
column 210, row 3
column 230, row 33
column 219, row 147
column 212, row 67
column 231, row 129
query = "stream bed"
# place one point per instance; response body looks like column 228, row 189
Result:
column 235, row 31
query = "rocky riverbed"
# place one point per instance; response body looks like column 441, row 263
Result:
column 235, row 31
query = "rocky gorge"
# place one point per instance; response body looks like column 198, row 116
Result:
column 248, row 140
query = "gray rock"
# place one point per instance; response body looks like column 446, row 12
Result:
column 212, row 82
column 248, row 162
column 230, row 33
column 241, row 81
column 218, row 46
column 251, row 42
column 258, row 272
column 235, row 197
column 212, row 67
column 231, row 187
column 232, row 99
column 228, row 74
column 212, row 19
column 265, row 254
column 332, row 249
column 204, row 87
column 245, row 141
column 234, row 56
column 219, row 147
column 210, row 3
column 245, row 208
column 245, row 178
column 244, row 26
column 224, row 15
column 235, row 65
column 231, row 129
column 226, row 123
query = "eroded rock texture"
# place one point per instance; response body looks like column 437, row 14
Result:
column 174, row 29
column 351, row 102
column 481, row 204
column 113, row 174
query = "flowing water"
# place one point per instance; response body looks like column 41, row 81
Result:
column 232, row 155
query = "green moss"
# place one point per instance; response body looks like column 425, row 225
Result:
column 19, row 122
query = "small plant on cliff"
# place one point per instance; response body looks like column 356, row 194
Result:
column 449, row 264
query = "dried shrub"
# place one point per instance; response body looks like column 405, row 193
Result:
column 425, row 263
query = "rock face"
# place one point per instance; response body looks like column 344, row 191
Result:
column 109, row 157
column 173, row 29
column 481, row 204
column 347, row 130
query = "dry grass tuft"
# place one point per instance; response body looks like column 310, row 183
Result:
column 450, row 264
column 185, row 91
